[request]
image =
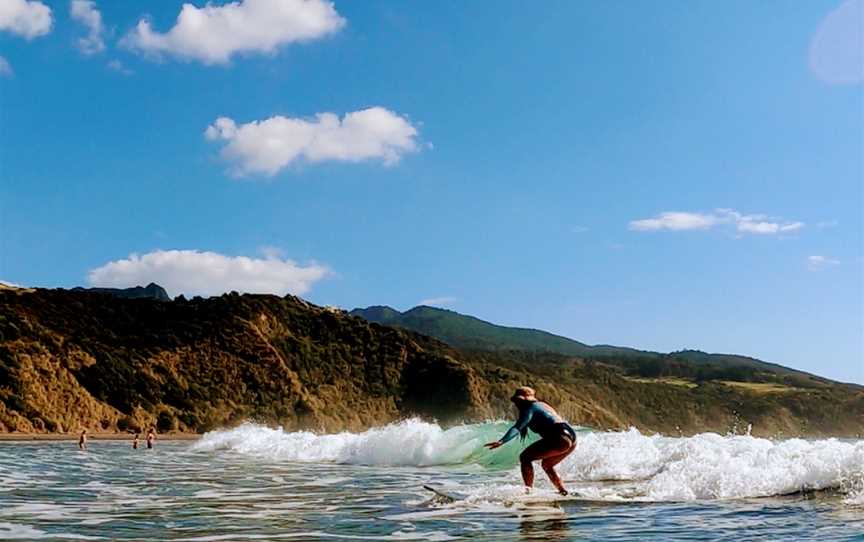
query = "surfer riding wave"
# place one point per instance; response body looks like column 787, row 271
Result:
column 557, row 437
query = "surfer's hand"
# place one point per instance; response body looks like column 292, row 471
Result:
column 493, row 445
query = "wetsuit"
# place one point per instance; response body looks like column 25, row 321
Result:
column 558, row 440
column 541, row 419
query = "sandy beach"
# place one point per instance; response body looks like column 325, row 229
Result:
column 12, row 437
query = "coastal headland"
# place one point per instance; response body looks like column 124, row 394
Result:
column 80, row 359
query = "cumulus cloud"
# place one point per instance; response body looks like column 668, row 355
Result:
column 5, row 68
column 26, row 18
column 815, row 263
column 194, row 272
column 684, row 221
column 85, row 12
column 270, row 145
column 837, row 48
column 213, row 34
column 438, row 301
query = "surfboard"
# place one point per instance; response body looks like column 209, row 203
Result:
column 441, row 496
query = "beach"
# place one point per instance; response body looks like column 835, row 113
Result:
column 23, row 437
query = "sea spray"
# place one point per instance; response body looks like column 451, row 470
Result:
column 701, row 467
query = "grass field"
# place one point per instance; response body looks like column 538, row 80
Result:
column 671, row 381
column 762, row 387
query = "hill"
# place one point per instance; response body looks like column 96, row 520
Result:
column 151, row 291
column 470, row 333
column 72, row 359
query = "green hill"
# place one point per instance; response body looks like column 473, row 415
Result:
column 470, row 333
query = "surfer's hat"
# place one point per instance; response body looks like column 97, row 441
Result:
column 524, row 393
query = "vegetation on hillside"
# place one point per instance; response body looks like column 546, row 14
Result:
column 72, row 359
column 470, row 333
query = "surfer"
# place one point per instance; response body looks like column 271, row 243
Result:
column 151, row 438
column 82, row 440
column 557, row 437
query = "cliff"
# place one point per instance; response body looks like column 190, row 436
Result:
column 72, row 359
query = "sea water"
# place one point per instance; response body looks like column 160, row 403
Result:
column 258, row 483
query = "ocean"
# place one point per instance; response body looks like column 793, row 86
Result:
column 258, row 483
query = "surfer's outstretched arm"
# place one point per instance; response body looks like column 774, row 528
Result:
column 520, row 426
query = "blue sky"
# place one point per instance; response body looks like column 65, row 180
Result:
column 652, row 174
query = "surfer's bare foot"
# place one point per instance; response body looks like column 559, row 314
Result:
column 563, row 492
column 527, row 490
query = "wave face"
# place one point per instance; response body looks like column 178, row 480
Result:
column 408, row 443
column 705, row 466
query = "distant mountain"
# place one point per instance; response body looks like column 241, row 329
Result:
column 469, row 333
column 151, row 291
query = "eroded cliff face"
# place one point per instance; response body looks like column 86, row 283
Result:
column 70, row 360
column 79, row 359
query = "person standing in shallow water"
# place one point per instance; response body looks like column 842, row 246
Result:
column 151, row 438
column 82, row 440
column 136, row 440
column 557, row 437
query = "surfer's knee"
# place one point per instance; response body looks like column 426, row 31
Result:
column 525, row 457
column 548, row 465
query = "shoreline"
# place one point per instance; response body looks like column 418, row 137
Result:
column 29, row 437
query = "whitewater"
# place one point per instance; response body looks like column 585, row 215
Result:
column 259, row 483
column 705, row 466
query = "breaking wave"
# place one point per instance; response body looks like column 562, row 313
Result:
column 704, row 466
column 408, row 443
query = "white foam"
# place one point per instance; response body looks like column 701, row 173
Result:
column 17, row 531
column 711, row 466
column 856, row 499
column 408, row 443
column 705, row 466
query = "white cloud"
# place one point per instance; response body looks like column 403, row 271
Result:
column 748, row 225
column 119, row 67
column 213, row 34
column 10, row 284
column 85, row 12
column 26, row 18
column 674, row 221
column 815, row 263
column 438, row 301
column 270, row 145
column 837, row 47
column 5, row 68
column 757, row 224
column 684, row 221
column 194, row 272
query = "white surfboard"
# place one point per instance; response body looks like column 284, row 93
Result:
column 442, row 496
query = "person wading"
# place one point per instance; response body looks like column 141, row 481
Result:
column 557, row 437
